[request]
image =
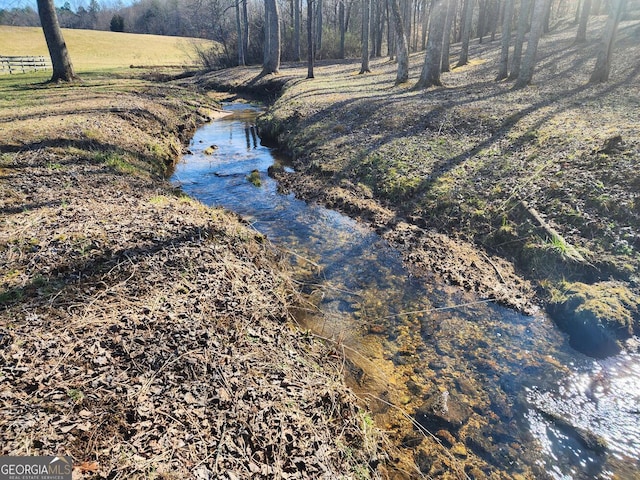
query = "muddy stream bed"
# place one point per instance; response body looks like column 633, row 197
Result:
column 499, row 390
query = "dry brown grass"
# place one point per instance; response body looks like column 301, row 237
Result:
column 459, row 177
column 141, row 332
column 466, row 158
column 92, row 50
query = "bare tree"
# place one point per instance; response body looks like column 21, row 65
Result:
column 529, row 60
column 577, row 17
column 381, row 12
column 603, row 61
column 296, row 30
column 483, row 5
column 375, row 36
column 310, row 52
column 581, row 35
column 523, row 23
column 366, row 26
column 503, row 69
column 271, row 62
column 245, row 30
column 391, row 35
column 433, row 57
column 547, row 17
column 494, row 17
column 319, row 21
column 402, row 47
column 416, row 23
column 466, row 32
column 425, row 23
column 62, row 67
column 240, row 35
column 446, row 41
column 406, row 15
column 341, row 21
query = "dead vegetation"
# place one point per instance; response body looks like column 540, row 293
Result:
column 147, row 336
column 142, row 333
column 472, row 160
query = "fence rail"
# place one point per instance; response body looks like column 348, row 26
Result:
column 11, row 65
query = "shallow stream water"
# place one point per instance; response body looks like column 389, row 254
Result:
column 491, row 384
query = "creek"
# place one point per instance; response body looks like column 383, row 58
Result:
column 500, row 390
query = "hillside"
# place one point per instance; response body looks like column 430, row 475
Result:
column 528, row 197
column 142, row 333
column 127, row 310
column 92, row 49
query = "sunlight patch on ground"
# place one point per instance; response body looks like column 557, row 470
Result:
column 97, row 50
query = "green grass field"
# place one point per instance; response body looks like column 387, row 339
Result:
column 97, row 50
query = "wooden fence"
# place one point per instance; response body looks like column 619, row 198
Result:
column 10, row 65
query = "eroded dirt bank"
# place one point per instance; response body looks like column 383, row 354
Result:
column 142, row 333
column 529, row 197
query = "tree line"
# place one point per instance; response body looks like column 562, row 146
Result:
column 270, row 31
column 433, row 25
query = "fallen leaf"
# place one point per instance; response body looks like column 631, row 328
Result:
column 68, row 428
column 86, row 467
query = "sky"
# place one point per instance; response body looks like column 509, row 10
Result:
column 7, row 4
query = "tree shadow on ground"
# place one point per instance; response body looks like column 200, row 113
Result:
column 93, row 152
column 90, row 272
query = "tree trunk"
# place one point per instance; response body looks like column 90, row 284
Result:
column 457, row 25
column 272, row 38
column 425, row 23
column 581, row 36
column 503, row 69
column 414, row 28
column 466, row 32
column 391, row 35
column 446, row 42
column 342, row 28
column 240, row 36
column 296, row 30
column 547, row 17
column 366, row 26
column 482, row 15
column 433, row 57
column 403, row 50
column 405, row 11
column 523, row 23
column 603, row 61
column 245, row 30
column 319, row 21
column 495, row 19
column 60, row 60
column 265, row 28
column 375, row 27
column 529, row 61
column 310, row 52
column 382, row 20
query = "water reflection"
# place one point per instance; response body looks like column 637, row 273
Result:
column 500, row 390
column 601, row 405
